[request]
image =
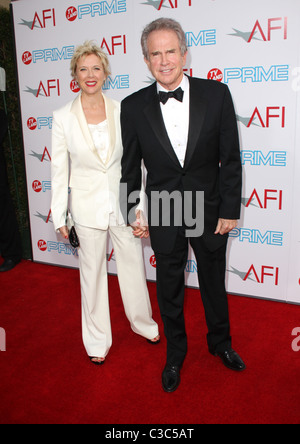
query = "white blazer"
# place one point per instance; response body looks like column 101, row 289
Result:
column 76, row 164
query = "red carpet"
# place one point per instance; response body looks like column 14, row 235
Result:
column 47, row 378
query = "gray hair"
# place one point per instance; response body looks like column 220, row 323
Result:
column 164, row 24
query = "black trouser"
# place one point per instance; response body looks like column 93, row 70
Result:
column 171, row 290
column 10, row 240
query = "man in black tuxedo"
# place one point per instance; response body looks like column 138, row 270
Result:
column 10, row 241
column 185, row 130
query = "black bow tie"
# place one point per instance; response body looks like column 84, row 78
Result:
column 178, row 95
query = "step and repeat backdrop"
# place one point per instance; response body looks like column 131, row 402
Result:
column 253, row 47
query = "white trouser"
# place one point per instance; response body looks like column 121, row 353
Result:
column 96, row 326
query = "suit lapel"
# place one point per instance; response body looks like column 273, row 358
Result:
column 198, row 108
column 155, row 118
column 109, row 106
column 78, row 111
column 110, row 114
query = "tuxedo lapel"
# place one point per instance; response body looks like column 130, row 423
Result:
column 198, row 108
column 154, row 115
column 155, row 118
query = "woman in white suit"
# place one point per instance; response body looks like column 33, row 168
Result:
column 86, row 156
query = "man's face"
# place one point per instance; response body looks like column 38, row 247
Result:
column 165, row 60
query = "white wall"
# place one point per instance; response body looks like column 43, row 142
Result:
column 252, row 46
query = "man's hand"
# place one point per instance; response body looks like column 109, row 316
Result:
column 225, row 226
column 140, row 226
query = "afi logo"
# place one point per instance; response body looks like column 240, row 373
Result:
column 189, row 71
column 45, row 89
column 111, row 44
column 48, row 15
column 111, row 256
column 265, row 117
column 45, row 157
column 46, row 153
column 267, row 196
column 266, row 30
column 262, row 273
column 173, row 3
column 45, row 217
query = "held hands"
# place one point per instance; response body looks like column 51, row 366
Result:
column 225, row 226
column 140, row 226
column 141, row 229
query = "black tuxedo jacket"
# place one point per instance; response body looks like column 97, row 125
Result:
column 212, row 163
column 3, row 131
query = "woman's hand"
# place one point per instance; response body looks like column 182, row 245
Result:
column 64, row 232
column 140, row 226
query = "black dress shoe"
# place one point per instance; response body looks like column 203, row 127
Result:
column 8, row 265
column 171, row 378
column 153, row 342
column 232, row 360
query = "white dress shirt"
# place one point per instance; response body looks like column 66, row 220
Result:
column 176, row 117
column 101, row 139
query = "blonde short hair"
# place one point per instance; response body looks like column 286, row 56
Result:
column 89, row 48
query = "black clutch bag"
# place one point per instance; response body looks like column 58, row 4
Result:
column 73, row 238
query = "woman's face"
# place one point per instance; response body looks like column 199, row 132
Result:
column 90, row 74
